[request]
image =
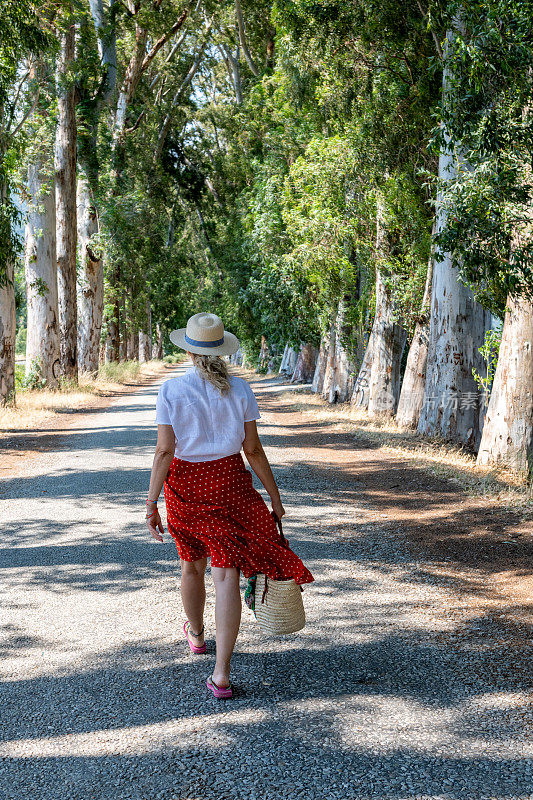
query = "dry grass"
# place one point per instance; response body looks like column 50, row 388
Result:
column 37, row 406
column 443, row 459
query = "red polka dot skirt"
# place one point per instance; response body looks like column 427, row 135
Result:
column 213, row 511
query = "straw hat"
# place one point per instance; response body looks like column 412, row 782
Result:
column 206, row 336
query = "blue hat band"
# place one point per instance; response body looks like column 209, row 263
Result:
column 198, row 343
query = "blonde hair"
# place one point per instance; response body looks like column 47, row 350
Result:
column 213, row 369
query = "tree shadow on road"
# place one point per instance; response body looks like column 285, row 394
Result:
column 311, row 716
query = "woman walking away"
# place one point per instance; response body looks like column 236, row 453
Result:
column 204, row 418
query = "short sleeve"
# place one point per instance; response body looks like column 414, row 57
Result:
column 162, row 416
column 251, row 411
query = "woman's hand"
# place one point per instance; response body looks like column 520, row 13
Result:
column 154, row 522
column 278, row 509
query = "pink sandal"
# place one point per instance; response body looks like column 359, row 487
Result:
column 220, row 692
column 194, row 647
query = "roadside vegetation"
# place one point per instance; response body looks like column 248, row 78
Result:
column 36, row 405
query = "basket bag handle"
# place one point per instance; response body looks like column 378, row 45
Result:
column 284, row 539
column 280, row 527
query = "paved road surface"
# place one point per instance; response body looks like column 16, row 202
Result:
column 377, row 698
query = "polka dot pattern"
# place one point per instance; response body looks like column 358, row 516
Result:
column 213, row 511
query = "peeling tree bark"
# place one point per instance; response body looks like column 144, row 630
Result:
column 508, row 430
column 65, row 177
column 157, row 350
column 320, row 367
column 40, row 266
column 90, row 281
column 360, row 394
column 264, row 354
column 7, row 329
column 457, row 329
column 328, row 383
column 361, row 391
column 305, row 364
column 343, row 377
column 388, row 342
column 145, row 336
column 288, row 362
column 284, row 358
column 414, row 380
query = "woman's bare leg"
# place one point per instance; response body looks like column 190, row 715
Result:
column 227, row 617
column 193, row 595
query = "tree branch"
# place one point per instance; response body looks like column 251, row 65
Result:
column 107, row 47
column 15, row 100
column 188, row 78
column 235, row 73
column 27, row 114
column 149, row 57
column 434, row 35
column 242, row 39
column 137, row 123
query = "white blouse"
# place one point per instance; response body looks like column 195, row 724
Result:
column 207, row 424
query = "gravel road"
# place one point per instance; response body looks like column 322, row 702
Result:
column 387, row 693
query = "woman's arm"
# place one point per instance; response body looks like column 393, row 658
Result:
column 164, row 453
column 253, row 450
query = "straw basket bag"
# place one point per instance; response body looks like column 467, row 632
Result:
column 278, row 605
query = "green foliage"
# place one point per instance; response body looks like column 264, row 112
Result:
column 10, row 240
column 19, row 376
column 20, row 35
column 263, row 208
column 174, row 358
column 490, row 124
column 20, row 341
column 116, row 372
column 490, row 350
column 34, row 377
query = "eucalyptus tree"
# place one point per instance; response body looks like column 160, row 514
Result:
column 414, row 379
column 96, row 77
column 21, row 38
column 372, row 80
column 458, row 323
column 65, row 188
column 490, row 228
column 40, row 256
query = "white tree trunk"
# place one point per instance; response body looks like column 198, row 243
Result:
column 292, row 358
column 457, row 329
column 40, row 266
column 320, row 368
column 343, row 376
column 7, row 329
column 328, row 385
column 360, row 393
column 288, row 362
column 508, row 430
column 236, row 358
column 157, row 350
column 132, row 344
column 90, row 281
column 284, row 358
column 65, row 169
column 305, row 364
column 414, row 380
column 145, row 336
column 264, row 354
column 458, row 323
column 388, row 342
